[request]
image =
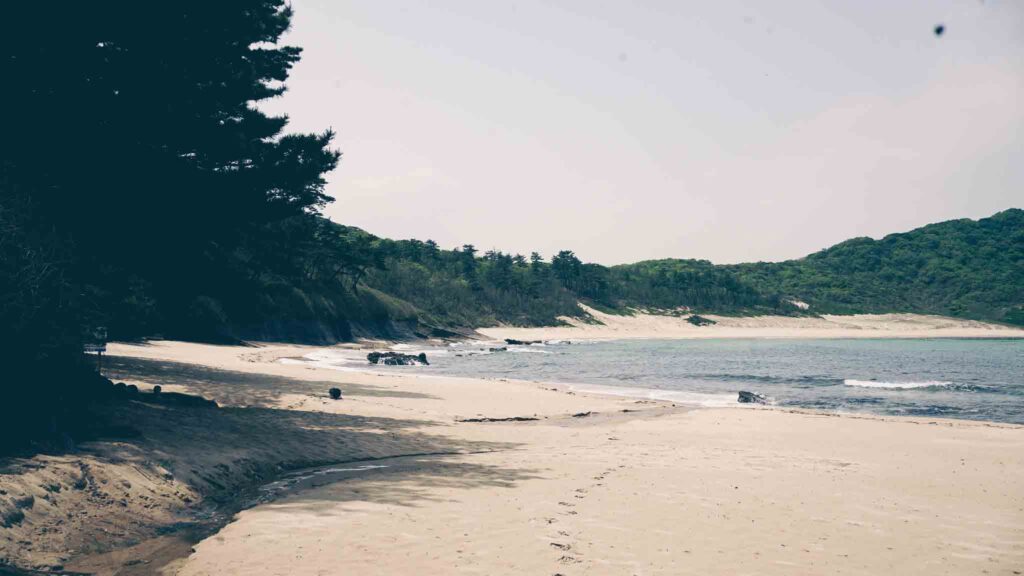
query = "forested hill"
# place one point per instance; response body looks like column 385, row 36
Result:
column 964, row 268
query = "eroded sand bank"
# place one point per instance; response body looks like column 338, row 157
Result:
column 632, row 488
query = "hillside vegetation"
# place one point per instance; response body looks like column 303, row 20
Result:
column 963, row 268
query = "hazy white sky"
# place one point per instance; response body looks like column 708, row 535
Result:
column 727, row 130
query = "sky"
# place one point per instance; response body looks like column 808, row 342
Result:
column 732, row 131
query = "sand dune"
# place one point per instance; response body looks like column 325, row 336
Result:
column 645, row 325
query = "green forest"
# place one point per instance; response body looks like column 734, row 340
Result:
column 143, row 189
column 962, row 268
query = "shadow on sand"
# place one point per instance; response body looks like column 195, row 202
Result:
column 188, row 464
column 402, row 481
column 232, row 387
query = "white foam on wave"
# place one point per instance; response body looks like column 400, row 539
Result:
column 701, row 399
column 344, row 361
column 896, row 385
column 414, row 350
column 473, row 353
column 321, row 364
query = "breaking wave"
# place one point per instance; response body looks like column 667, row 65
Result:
column 897, row 385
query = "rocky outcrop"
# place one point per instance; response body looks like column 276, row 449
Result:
column 751, row 398
column 514, row 342
column 397, row 359
column 700, row 321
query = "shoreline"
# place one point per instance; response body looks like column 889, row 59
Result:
column 212, row 555
column 354, row 362
column 558, row 489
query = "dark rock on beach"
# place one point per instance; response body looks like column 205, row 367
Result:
column 335, row 393
column 514, row 342
column 700, row 321
column 501, row 349
column 751, row 398
column 397, row 359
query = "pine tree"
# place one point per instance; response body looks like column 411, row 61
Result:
column 137, row 130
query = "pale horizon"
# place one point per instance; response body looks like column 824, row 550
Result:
column 727, row 132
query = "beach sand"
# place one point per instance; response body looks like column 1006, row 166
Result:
column 633, row 487
column 643, row 325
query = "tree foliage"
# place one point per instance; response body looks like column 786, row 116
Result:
column 964, row 268
column 136, row 133
column 140, row 184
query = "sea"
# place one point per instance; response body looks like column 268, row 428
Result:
column 974, row 379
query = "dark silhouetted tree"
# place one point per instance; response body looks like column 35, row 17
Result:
column 167, row 163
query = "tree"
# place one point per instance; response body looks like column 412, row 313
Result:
column 566, row 267
column 138, row 173
column 169, row 162
column 431, row 249
column 469, row 261
column 499, row 271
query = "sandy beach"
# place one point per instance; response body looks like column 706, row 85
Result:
column 594, row 485
column 586, row 485
column 605, row 326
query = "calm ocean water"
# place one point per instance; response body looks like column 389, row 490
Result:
column 970, row 379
